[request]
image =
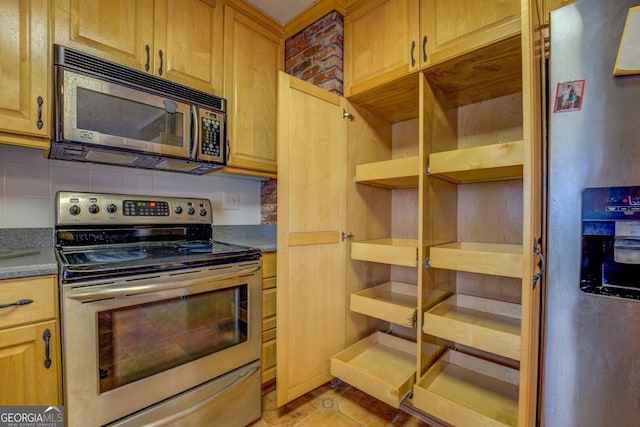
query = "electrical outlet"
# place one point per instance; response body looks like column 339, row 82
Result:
column 232, row 200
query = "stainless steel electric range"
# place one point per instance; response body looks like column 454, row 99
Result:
column 160, row 324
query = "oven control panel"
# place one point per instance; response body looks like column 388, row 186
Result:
column 74, row 208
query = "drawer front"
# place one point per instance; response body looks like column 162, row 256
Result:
column 268, row 303
column 269, row 264
column 269, row 283
column 41, row 290
column 268, row 354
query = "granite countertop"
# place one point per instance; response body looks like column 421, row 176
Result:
column 29, row 252
column 262, row 237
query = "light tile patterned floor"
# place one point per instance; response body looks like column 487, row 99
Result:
column 337, row 406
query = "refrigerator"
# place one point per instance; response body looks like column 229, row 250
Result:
column 591, row 344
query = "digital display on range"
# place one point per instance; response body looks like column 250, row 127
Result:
column 145, row 208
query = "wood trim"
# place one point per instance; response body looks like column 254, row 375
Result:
column 317, row 238
column 316, row 11
column 256, row 15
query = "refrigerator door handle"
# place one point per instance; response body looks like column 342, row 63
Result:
column 541, row 263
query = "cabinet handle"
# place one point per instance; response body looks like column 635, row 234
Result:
column 541, row 263
column 413, row 48
column 40, row 101
column 46, row 337
column 424, row 49
column 19, row 302
column 146, row 49
column 346, row 236
column 160, row 69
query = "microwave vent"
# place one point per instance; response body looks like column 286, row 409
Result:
column 111, row 158
column 86, row 63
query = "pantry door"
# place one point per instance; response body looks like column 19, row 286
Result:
column 311, row 218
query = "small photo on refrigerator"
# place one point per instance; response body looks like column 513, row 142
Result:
column 569, row 96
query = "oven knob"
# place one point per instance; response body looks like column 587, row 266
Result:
column 74, row 210
column 191, row 211
column 178, row 209
column 203, row 212
column 94, row 209
column 111, row 208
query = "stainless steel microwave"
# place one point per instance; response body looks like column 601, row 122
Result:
column 111, row 114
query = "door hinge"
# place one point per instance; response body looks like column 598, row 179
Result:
column 347, row 236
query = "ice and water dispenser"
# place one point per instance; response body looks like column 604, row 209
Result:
column 611, row 241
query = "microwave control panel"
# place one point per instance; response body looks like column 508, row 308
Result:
column 211, row 136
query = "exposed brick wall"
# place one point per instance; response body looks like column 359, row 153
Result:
column 313, row 55
column 268, row 201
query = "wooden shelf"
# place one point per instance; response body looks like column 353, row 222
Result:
column 394, row 302
column 382, row 365
column 464, row 390
column 485, row 163
column 387, row 251
column 397, row 173
column 395, row 101
column 481, row 74
column 486, row 324
column 499, row 259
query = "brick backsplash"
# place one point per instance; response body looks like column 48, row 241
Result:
column 315, row 53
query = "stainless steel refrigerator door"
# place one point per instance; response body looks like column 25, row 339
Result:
column 591, row 371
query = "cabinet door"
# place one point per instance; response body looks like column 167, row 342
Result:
column 117, row 30
column 380, row 44
column 456, row 28
column 25, row 71
column 311, row 216
column 25, row 378
column 252, row 58
column 188, row 43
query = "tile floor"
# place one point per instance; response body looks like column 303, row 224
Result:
column 335, row 405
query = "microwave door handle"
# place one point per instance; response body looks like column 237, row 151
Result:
column 195, row 133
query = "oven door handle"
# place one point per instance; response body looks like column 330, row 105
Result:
column 95, row 292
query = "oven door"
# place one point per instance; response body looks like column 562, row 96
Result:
column 99, row 112
column 131, row 343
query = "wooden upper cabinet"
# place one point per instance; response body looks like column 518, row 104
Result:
column 253, row 55
column 25, row 76
column 450, row 29
column 380, row 43
column 117, row 30
column 180, row 40
column 189, row 35
column 389, row 39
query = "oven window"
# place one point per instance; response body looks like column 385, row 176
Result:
column 139, row 341
column 129, row 119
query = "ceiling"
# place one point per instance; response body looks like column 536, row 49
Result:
column 282, row 11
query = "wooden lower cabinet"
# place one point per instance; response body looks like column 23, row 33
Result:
column 268, row 317
column 30, row 343
column 406, row 236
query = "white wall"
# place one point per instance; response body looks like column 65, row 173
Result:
column 30, row 182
